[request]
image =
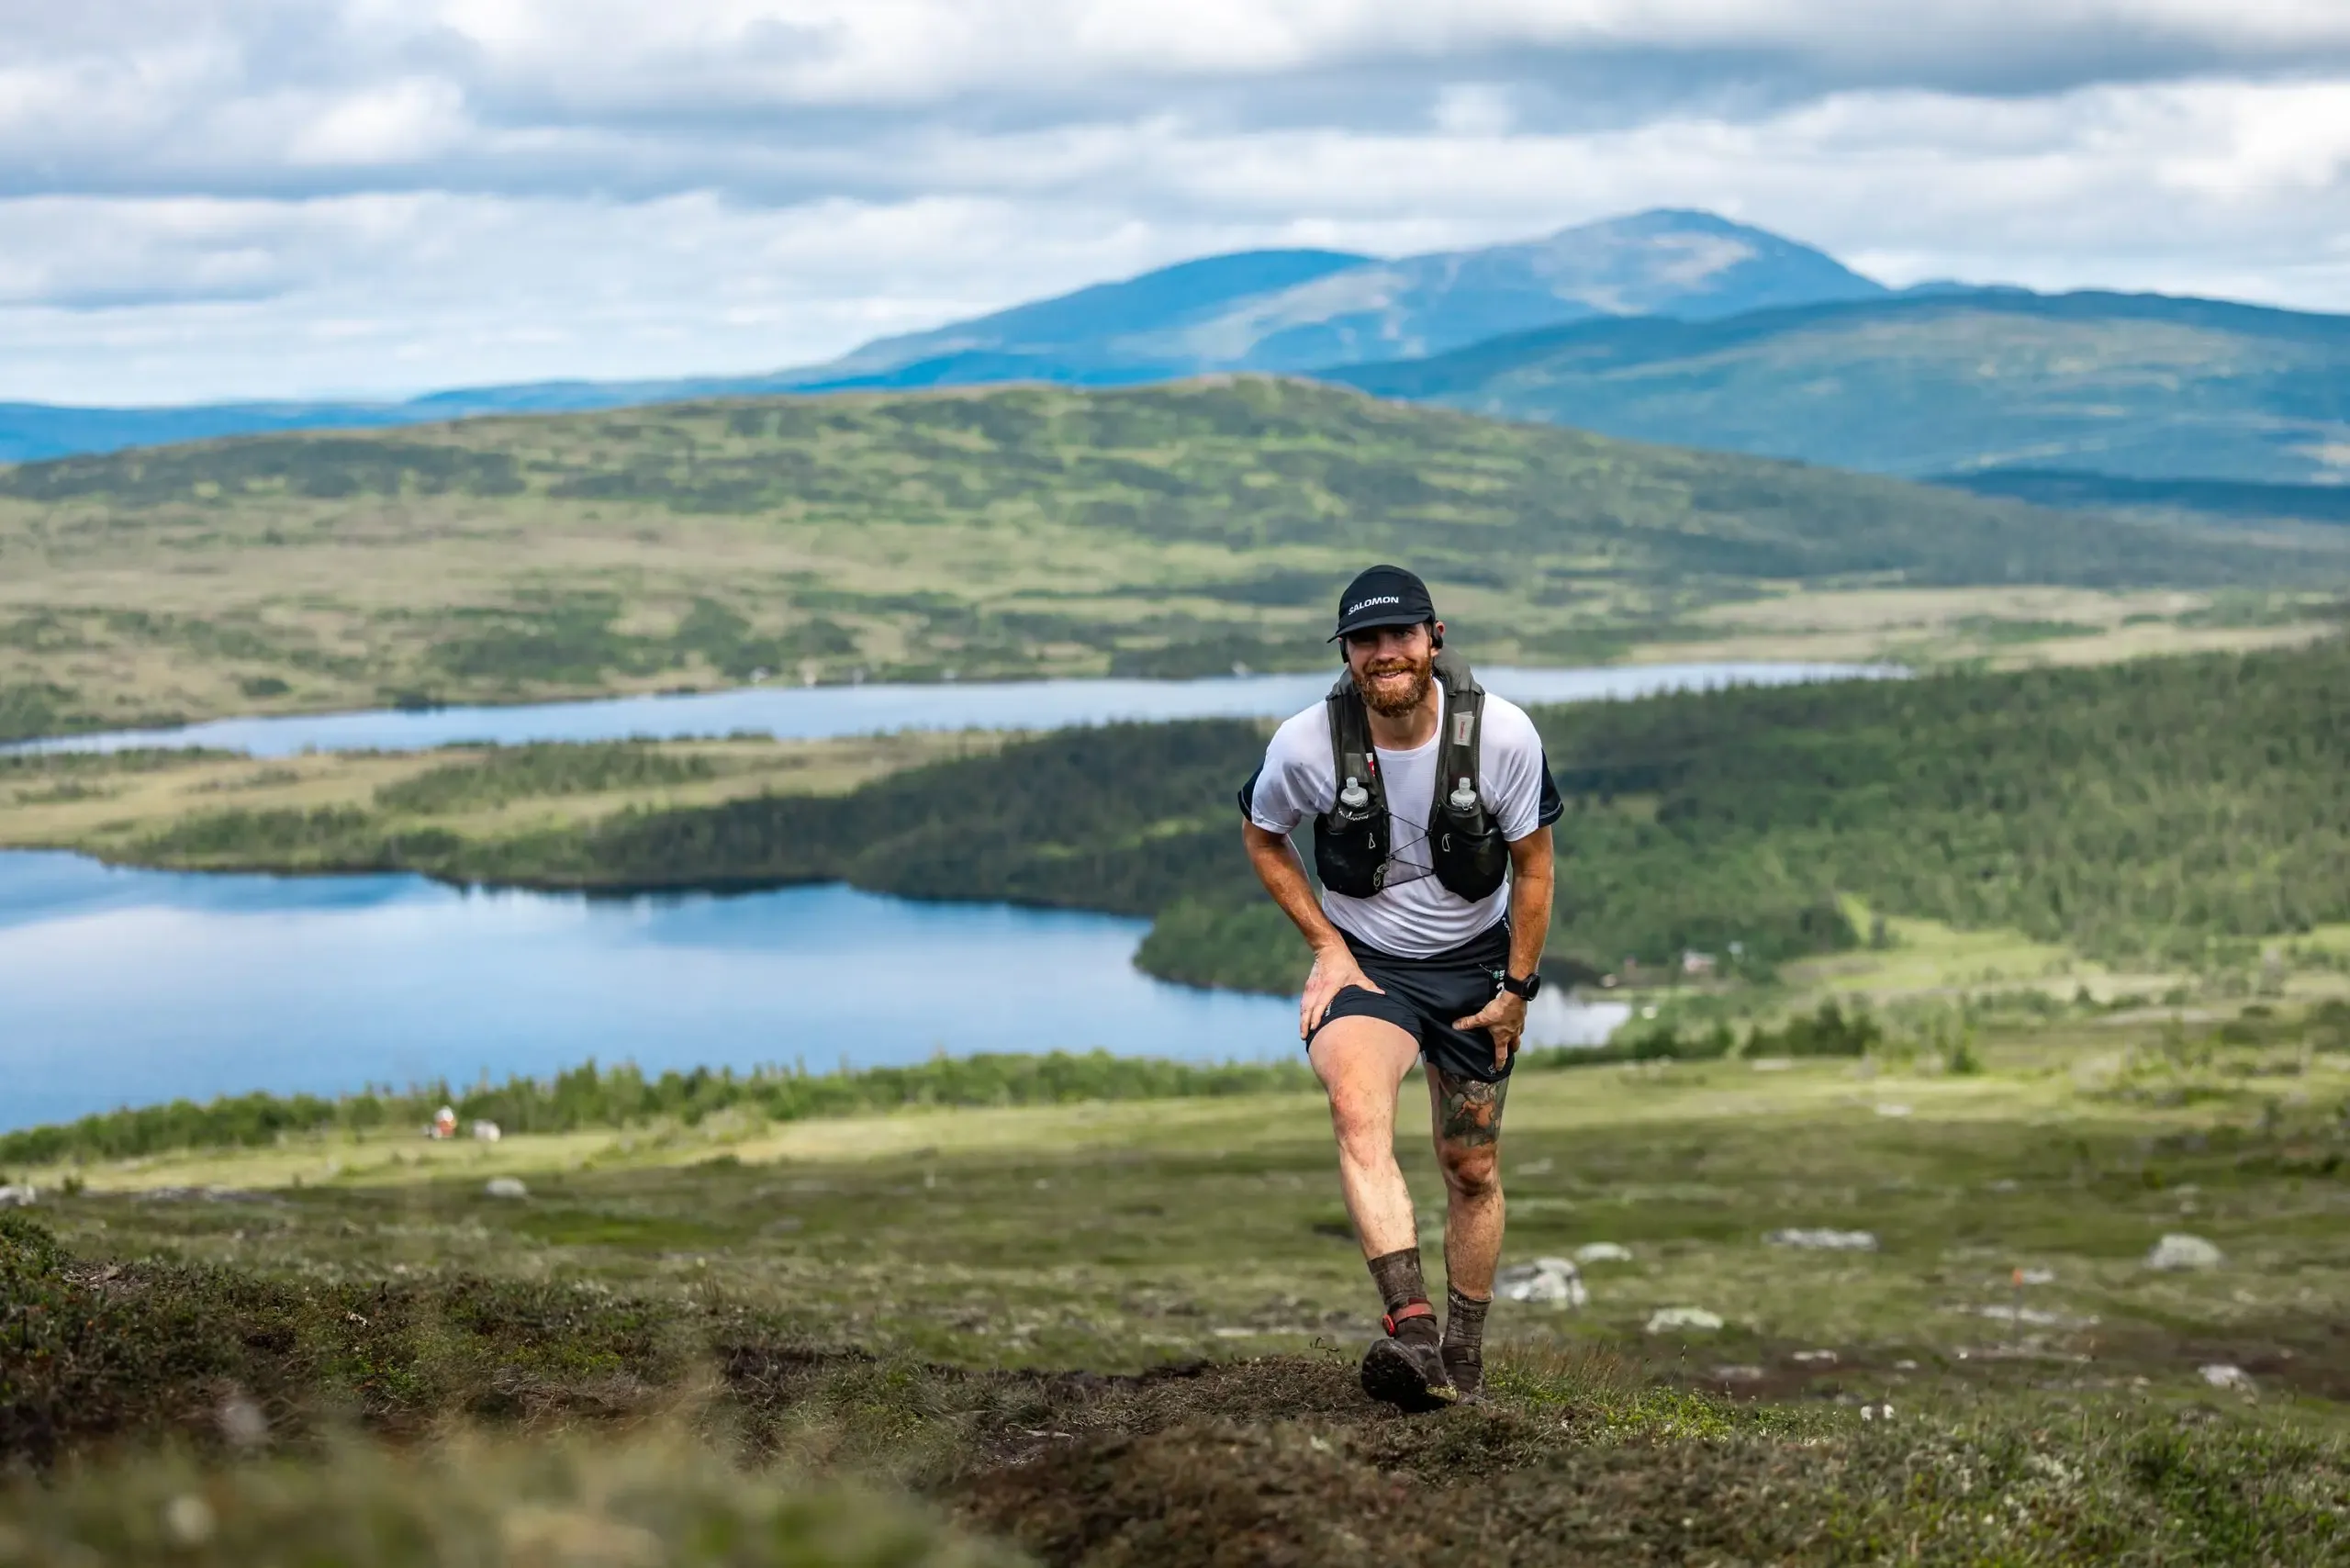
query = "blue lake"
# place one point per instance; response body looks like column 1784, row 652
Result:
column 809, row 713
column 128, row 987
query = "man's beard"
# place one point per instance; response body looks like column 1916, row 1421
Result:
column 1396, row 701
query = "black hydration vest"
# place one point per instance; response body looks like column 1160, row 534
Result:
column 1351, row 839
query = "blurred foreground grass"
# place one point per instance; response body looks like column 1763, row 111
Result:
column 641, row 1502
column 1124, row 1332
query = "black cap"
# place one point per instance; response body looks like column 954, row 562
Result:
column 1383, row 596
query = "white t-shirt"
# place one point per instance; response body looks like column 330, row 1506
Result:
column 1413, row 915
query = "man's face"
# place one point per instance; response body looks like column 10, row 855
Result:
column 1392, row 666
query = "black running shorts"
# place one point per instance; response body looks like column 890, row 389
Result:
column 1423, row 996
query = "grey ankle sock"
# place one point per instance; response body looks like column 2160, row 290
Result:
column 1464, row 1323
column 1397, row 1276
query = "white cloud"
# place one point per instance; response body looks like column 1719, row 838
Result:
column 203, row 197
column 384, row 294
column 400, row 122
column 2255, row 148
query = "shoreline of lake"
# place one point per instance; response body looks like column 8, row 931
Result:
column 818, row 711
column 136, row 985
column 726, row 819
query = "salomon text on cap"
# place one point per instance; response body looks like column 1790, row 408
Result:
column 1383, row 596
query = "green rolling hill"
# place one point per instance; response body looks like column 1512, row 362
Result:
column 1174, row 529
column 2135, row 386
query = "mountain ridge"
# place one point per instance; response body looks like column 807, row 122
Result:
column 1748, row 343
column 1664, row 260
column 1282, row 310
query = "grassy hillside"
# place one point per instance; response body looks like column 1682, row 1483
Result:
column 1123, row 1334
column 1167, row 530
column 2133, row 811
column 2136, row 385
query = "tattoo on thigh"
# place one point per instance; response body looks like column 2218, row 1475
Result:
column 1470, row 1109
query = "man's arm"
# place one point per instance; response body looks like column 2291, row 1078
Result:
column 1335, row 969
column 1531, row 878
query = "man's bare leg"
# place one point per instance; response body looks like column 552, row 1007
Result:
column 1362, row 1063
column 1467, row 1118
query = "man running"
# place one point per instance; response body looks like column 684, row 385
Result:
column 1432, row 805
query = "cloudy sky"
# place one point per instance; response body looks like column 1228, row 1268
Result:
column 207, row 198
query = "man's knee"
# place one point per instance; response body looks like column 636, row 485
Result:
column 1361, row 1061
column 1363, row 1120
column 1472, row 1171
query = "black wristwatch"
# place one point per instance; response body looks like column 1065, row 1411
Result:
column 1526, row 989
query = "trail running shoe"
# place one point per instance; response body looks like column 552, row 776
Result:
column 1406, row 1369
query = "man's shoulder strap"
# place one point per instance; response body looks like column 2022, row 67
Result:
column 1351, row 756
column 1465, row 717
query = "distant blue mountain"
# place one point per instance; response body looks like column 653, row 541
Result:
column 30, row 432
column 1270, row 311
column 1291, row 310
column 1143, row 328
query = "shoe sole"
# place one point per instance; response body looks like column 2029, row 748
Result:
column 1390, row 1377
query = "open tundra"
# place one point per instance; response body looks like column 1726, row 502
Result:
column 1113, row 1332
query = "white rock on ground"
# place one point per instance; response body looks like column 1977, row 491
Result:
column 1602, row 1252
column 1546, row 1282
column 1825, row 1240
column 506, row 1187
column 17, row 1198
column 1664, row 1320
column 2220, row 1374
column 2183, row 1251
